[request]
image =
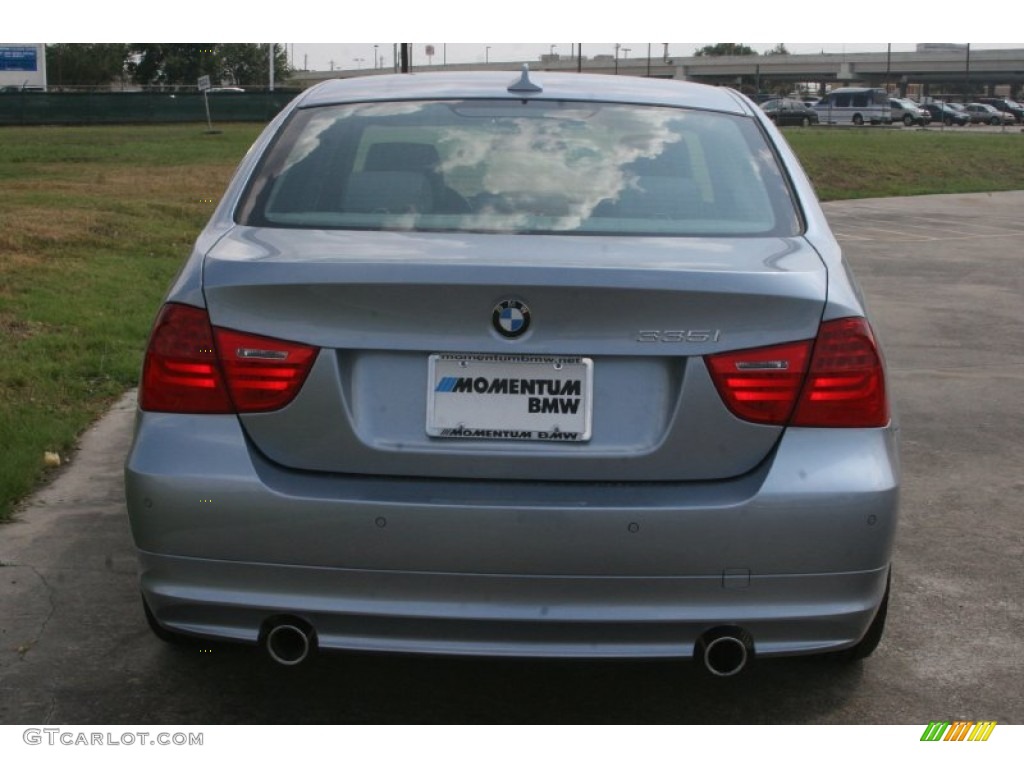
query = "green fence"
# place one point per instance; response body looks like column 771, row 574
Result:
column 33, row 108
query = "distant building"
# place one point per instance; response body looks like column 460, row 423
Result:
column 23, row 66
column 941, row 47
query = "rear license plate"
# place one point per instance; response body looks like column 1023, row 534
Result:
column 508, row 397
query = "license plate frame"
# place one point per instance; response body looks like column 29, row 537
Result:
column 522, row 398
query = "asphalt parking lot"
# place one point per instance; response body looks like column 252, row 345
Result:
column 944, row 277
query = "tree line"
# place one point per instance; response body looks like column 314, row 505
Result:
column 163, row 64
column 737, row 49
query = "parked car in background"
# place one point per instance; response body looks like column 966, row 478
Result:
column 538, row 365
column 986, row 113
column 789, row 112
column 1015, row 108
column 909, row 113
column 945, row 113
column 855, row 105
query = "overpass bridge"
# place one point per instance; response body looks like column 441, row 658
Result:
column 976, row 71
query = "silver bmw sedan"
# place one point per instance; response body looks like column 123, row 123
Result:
column 538, row 365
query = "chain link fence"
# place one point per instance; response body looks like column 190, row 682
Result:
column 35, row 108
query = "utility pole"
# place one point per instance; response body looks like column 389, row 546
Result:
column 888, row 66
column 967, row 76
column 270, row 55
column 406, row 53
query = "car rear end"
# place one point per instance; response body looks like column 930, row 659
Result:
column 459, row 367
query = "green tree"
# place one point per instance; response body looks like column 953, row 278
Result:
column 726, row 49
column 167, row 64
column 778, row 50
column 172, row 63
column 247, row 64
column 90, row 64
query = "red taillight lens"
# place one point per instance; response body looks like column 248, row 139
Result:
column 840, row 384
column 186, row 371
column 846, row 382
column 181, row 374
column 762, row 384
column 263, row 374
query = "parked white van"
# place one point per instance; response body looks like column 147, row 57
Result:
column 854, row 105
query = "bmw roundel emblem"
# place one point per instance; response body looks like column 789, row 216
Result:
column 511, row 318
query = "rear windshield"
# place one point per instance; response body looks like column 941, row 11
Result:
column 513, row 166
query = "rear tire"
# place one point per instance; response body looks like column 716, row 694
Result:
column 867, row 644
column 908, row 120
column 858, row 119
column 805, row 122
column 948, row 122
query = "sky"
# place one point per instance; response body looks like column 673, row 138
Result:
column 326, row 56
column 319, row 21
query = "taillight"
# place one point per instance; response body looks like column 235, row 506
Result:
column 761, row 384
column 181, row 374
column 846, row 382
column 841, row 383
column 263, row 374
column 187, row 371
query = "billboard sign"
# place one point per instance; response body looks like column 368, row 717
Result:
column 19, row 58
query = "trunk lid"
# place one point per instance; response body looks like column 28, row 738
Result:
column 642, row 310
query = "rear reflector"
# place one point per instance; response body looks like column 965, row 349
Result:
column 187, row 371
column 841, row 383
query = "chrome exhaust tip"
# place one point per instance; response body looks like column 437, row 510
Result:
column 289, row 641
column 725, row 651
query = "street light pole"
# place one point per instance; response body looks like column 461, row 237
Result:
column 888, row 66
column 487, row 55
column 967, row 75
column 270, row 56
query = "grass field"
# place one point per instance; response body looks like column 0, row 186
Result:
column 868, row 162
column 96, row 221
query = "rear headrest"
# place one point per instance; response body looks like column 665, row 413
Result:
column 388, row 192
column 402, row 156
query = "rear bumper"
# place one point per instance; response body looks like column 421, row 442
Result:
column 508, row 615
column 796, row 552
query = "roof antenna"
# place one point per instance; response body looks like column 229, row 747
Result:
column 523, row 84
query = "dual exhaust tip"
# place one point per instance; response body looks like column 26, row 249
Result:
column 724, row 651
